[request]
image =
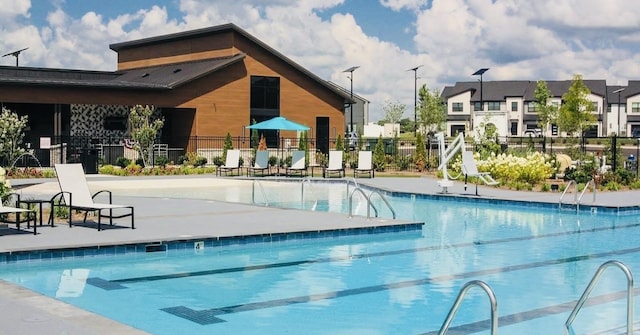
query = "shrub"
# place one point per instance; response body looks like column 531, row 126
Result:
column 123, row 162
column 217, row 161
column 273, row 160
column 162, row 161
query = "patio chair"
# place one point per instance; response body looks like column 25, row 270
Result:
column 365, row 165
column 470, row 169
column 75, row 195
column 335, row 164
column 261, row 164
column 232, row 163
column 298, row 164
column 17, row 211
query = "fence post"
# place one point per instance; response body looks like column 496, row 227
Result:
column 614, row 152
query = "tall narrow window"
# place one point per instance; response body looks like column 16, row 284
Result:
column 265, row 103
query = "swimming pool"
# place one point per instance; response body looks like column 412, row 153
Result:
column 538, row 262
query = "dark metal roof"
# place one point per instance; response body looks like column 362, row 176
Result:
column 224, row 28
column 500, row 90
column 175, row 74
column 161, row 77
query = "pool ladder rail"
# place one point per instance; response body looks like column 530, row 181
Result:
column 370, row 204
column 454, row 309
column 578, row 199
column 592, row 284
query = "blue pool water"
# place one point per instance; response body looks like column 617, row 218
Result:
column 538, row 262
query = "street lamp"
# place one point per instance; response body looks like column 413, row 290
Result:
column 480, row 73
column 619, row 105
column 415, row 99
column 350, row 70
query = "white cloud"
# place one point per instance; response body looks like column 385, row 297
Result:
column 517, row 39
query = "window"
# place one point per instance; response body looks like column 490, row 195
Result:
column 115, row 123
column 514, row 106
column 456, row 107
column 265, row 92
column 514, row 128
column 494, row 105
column 635, row 107
column 595, row 106
column 531, row 107
column 608, row 108
column 554, row 130
column 477, row 106
column 455, row 129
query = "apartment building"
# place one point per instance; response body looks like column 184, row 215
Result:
column 510, row 106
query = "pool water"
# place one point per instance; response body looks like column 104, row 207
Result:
column 538, row 262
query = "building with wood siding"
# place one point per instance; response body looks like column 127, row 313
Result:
column 206, row 82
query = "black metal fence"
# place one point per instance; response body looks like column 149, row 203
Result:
column 399, row 152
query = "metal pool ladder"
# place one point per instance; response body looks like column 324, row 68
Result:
column 592, row 284
column 576, row 199
column 461, row 295
column 369, row 203
column 253, row 193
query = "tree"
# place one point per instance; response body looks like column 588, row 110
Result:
column 432, row 112
column 378, row 155
column 303, row 144
column 576, row 112
column 392, row 111
column 547, row 111
column 11, row 135
column 228, row 145
column 420, row 158
column 144, row 131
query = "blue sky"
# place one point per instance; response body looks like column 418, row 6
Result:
column 516, row 39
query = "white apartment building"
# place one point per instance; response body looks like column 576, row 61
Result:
column 510, row 107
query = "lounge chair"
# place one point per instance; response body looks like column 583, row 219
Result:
column 470, row 169
column 261, row 164
column 335, row 164
column 232, row 162
column 365, row 165
column 17, row 211
column 298, row 164
column 75, row 195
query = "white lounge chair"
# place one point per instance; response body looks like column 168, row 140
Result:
column 17, row 211
column 298, row 164
column 335, row 164
column 261, row 164
column 470, row 169
column 231, row 163
column 365, row 164
column 75, row 195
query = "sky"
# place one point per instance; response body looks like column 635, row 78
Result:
column 448, row 39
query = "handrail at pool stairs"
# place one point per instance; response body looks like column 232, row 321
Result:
column 592, row 284
column 253, row 193
column 302, row 182
column 461, row 295
column 577, row 200
column 369, row 203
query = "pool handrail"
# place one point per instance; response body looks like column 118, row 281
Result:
column 575, row 195
column 393, row 212
column 585, row 295
column 351, row 180
column 461, row 295
column 253, row 193
column 302, row 181
column 586, row 187
column 369, row 204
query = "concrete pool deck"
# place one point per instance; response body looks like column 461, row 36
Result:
column 163, row 219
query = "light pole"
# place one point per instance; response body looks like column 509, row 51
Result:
column 619, row 105
column 415, row 99
column 350, row 70
column 480, row 73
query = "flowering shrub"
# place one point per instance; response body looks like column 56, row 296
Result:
column 5, row 186
column 137, row 170
column 531, row 170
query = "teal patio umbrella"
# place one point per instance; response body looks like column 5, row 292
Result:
column 278, row 123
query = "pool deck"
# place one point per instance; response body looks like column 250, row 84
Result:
column 163, row 219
